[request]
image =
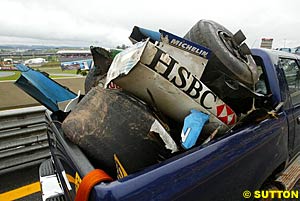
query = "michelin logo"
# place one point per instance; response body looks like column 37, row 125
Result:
column 186, row 45
column 189, row 48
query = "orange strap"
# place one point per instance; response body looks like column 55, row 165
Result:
column 88, row 182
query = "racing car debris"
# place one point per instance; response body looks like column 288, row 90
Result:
column 172, row 75
column 166, row 72
column 168, row 96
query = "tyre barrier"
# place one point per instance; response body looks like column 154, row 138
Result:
column 23, row 138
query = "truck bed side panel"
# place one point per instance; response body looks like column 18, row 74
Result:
column 210, row 171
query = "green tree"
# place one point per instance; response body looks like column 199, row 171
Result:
column 123, row 47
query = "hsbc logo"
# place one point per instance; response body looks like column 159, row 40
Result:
column 226, row 114
column 191, row 85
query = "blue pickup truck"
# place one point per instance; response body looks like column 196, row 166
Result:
column 261, row 152
column 247, row 158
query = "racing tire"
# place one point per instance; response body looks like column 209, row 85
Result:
column 226, row 56
column 110, row 122
column 46, row 168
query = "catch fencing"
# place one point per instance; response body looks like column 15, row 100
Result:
column 23, row 138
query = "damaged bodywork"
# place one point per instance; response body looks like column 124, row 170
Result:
column 45, row 90
column 148, row 68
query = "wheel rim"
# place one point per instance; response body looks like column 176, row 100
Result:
column 231, row 46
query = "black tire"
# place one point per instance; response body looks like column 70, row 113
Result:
column 46, row 168
column 108, row 122
column 226, row 58
column 59, row 198
column 102, row 61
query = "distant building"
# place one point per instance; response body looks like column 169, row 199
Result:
column 8, row 60
column 73, row 55
column 7, row 64
column 35, row 62
column 266, row 43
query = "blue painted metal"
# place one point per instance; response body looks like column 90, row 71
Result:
column 154, row 35
column 193, row 124
column 187, row 45
column 43, row 89
column 140, row 34
column 220, row 171
column 271, row 73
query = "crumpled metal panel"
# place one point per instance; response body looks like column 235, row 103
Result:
column 42, row 88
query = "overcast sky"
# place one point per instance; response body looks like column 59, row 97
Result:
column 108, row 23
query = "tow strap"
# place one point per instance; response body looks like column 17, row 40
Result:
column 88, row 182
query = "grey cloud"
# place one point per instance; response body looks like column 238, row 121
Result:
column 108, row 23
